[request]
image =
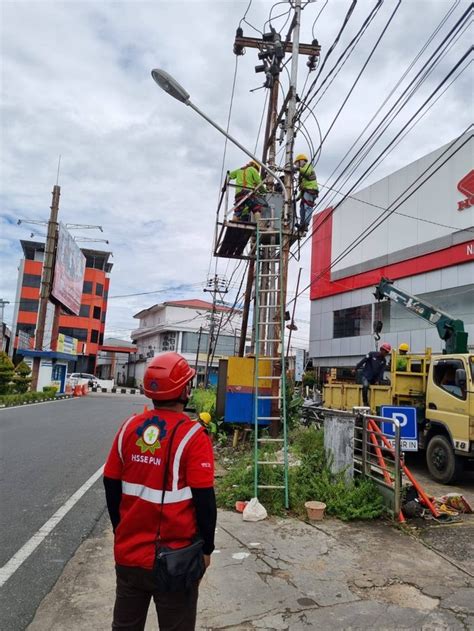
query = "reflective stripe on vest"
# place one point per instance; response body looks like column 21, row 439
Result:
column 120, row 438
column 155, row 495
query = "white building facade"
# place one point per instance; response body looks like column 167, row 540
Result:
column 426, row 246
column 183, row 326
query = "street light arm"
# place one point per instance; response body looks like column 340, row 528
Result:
column 241, row 147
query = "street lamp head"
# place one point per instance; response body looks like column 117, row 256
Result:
column 170, row 85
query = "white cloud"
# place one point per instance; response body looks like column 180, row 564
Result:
column 76, row 83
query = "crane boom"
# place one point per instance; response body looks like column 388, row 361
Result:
column 450, row 329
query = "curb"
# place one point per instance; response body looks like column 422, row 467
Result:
column 116, row 390
column 61, row 397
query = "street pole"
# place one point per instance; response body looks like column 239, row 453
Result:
column 2, row 308
column 268, row 152
column 46, row 281
column 216, row 281
column 197, row 354
column 288, row 176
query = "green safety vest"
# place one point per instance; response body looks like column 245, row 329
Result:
column 246, row 178
column 307, row 178
column 402, row 364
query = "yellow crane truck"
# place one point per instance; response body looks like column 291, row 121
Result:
column 439, row 386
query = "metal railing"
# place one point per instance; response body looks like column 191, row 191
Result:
column 378, row 457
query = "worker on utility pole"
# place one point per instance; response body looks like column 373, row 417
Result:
column 248, row 179
column 308, row 190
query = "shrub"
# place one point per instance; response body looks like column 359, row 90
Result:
column 204, row 400
column 22, row 379
column 309, row 378
column 9, row 400
column 50, row 390
column 7, row 370
column 310, row 479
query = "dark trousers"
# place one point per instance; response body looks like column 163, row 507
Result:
column 308, row 197
column 365, row 390
column 135, row 588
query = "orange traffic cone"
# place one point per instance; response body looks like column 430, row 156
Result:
column 77, row 391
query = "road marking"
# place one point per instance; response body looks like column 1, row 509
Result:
column 29, row 405
column 30, row 546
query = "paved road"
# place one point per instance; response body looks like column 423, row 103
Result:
column 47, row 452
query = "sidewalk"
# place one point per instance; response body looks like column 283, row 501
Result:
column 285, row 574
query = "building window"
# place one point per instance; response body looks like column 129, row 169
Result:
column 189, row 343
column 31, row 280
column 101, row 339
column 79, row 334
column 26, row 328
column 444, row 376
column 102, row 317
column 94, row 336
column 99, row 289
column 225, row 345
column 96, row 313
column 84, row 311
column 353, row 321
column 168, row 341
column 27, row 304
column 87, row 287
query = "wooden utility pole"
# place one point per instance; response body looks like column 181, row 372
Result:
column 46, row 281
column 274, row 118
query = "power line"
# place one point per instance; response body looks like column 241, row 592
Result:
column 350, row 47
column 373, row 138
column 374, row 48
column 380, row 219
column 333, row 45
column 396, row 137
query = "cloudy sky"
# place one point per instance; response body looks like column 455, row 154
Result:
column 76, row 83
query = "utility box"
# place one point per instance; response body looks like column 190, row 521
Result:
column 275, row 202
column 239, row 406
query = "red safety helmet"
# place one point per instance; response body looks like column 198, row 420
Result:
column 386, row 347
column 166, row 376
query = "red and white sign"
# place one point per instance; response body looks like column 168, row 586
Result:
column 68, row 272
column 466, row 187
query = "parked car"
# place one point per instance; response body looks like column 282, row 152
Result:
column 81, row 378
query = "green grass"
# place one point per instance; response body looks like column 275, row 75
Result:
column 311, row 479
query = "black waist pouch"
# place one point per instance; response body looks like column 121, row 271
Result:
column 176, row 570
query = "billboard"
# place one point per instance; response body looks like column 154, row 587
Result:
column 66, row 344
column 68, row 272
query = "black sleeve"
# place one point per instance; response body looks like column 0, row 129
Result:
column 362, row 362
column 113, row 496
column 206, row 516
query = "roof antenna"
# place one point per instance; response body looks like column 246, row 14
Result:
column 59, row 167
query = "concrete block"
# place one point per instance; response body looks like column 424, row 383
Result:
column 339, row 442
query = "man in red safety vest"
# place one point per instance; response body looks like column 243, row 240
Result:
column 157, row 445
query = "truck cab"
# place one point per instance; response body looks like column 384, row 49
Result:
column 449, row 414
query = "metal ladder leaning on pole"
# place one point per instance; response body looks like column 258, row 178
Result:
column 269, row 309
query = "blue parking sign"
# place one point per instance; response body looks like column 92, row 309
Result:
column 406, row 416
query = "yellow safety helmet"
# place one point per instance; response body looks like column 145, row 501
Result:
column 205, row 417
column 301, row 156
column 404, row 347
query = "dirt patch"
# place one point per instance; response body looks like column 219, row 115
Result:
column 404, row 596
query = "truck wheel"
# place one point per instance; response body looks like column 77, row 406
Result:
column 444, row 466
